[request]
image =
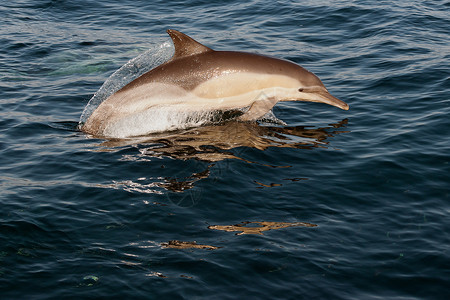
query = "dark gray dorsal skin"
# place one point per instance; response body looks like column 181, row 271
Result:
column 206, row 79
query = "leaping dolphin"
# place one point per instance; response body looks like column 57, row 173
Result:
column 198, row 82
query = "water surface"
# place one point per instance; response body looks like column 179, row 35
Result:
column 336, row 204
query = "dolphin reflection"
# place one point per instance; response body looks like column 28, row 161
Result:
column 213, row 144
column 219, row 142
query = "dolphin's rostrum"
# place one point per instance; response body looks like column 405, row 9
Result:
column 197, row 83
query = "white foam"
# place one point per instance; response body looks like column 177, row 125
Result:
column 158, row 119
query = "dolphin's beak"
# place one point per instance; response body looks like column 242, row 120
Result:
column 319, row 95
column 325, row 97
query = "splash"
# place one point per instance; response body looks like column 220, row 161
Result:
column 134, row 68
column 168, row 119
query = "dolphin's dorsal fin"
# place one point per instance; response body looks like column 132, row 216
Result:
column 185, row 45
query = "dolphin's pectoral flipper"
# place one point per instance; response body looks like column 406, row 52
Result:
column 258, row 109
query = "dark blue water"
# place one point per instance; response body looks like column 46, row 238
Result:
column 350, row 204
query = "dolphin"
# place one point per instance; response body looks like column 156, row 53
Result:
column 199, row 82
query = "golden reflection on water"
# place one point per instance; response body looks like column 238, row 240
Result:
column 243, row 228
column 187, row 245
column 180, row 185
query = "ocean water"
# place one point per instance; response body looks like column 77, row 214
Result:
column 334, row 205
